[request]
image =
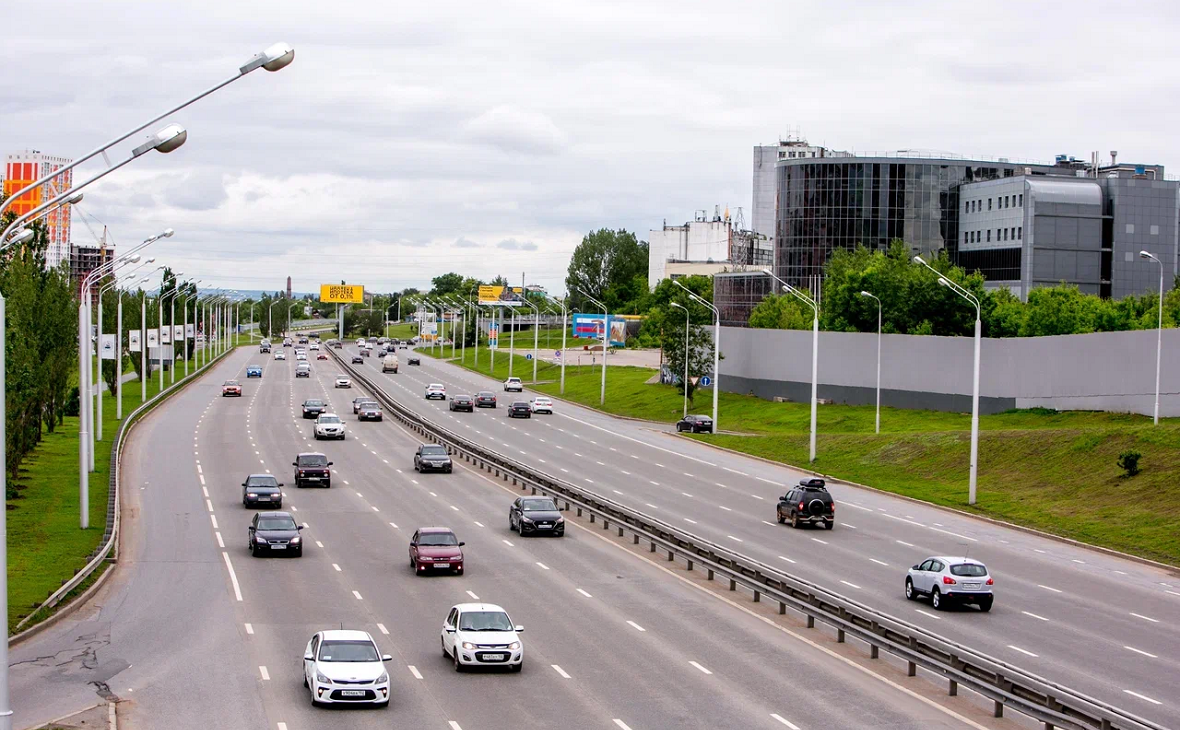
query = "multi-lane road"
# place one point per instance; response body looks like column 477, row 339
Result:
column 191, row 632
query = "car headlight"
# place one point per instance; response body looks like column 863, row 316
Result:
column 321, row 678
column 468, row 645
column 260, row 540
column 559, row 519
column 526, row 519
column 295, row 540
column 383, row 678
column 514, row 645
column 251, row 494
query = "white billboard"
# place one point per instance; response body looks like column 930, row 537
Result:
column 165, row 335
column 190, row 330
column 106, row 348
column 133, row 340
column 153, row 338
column 177, row 332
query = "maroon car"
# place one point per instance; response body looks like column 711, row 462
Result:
column 436, row 548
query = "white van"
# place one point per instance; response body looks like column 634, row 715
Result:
column 389, row 364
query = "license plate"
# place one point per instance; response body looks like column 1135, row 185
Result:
column 278, row 547
column 544, row 527
column 971, row 586
column 312, row 479
column 493, row 657
column 352, row 693
column 442, row 565
column 265, row 499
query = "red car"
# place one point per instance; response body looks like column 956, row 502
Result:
column 436, row 548
column 322, row 356
column 231, row 387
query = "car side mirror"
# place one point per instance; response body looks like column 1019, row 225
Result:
column 386, row 657
column 518, row 629
column 281, row 484
column 299, row 527
column 449, row 629
column 330, row 463
column 244, row 484
column 293, row 463
column 915, row 568
column 308, row 658
column 461, row 543
column 413, row 544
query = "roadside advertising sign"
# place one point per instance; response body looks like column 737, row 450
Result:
column 342, row 293
column 493, row 334
column 190, row 331
column 106, row 348
column 177, row 333
column 499, row 296
column 165, row 335
column 153, row 338
column 133, row 340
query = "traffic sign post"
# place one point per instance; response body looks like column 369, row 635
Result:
column 706, row 381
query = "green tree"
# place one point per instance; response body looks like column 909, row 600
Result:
column 783, row 311
column 605, row 266
column 451, row 283
column 664, row 324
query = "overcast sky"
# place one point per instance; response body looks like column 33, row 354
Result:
column 411, row 139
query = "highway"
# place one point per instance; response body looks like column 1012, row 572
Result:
column 192, row 632
column 1096, row 623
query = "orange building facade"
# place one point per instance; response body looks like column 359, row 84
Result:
column 22, row 169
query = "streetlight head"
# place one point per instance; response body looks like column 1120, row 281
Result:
column 1145, row 255
column 74, row 199
column 168, row 232
column 943, row 282
column 278, row 56
column 133, row 259
column 865, row 294
column 919, row 260
column 22, row 237
column 786, row 288
column 170, row 137
column 152, row 260
column 767, row 272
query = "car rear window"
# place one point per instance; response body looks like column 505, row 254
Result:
column 971, row 570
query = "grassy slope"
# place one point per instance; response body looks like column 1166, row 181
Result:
column 45, row 544
column 1055, row 472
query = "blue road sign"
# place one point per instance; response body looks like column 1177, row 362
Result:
column 528, row 356
column 557, row 353
column 706, row 381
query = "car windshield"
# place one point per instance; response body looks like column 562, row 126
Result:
column 342, row 377
column 971, row 570
column 437, row 538
column 484, row 621
column 434, row 451
column 329, row 419
column 312, row 403
column 530, row 505
column 264, row 480
column 317, row 460
column 276, row 523
column 348, row 651
column 370, row 407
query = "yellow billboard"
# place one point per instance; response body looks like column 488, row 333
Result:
column 342, row 293
column 499, row 296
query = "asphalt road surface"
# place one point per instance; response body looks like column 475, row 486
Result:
column 192, row 632
column 1096, row 623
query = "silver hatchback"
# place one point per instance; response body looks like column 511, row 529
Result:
column 950, row 580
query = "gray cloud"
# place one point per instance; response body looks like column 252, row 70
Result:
column 511, row 244
column 466, row 243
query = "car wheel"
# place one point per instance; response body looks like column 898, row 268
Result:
column 414, row 565
column 936, row 600
column 780, row 517
column 795, row 520
column 985, row 604
column 458, row 666
column 305, row 684
column 443, row 644
column 829, row 524
column 279, row 504
column 910, row 593
column 448, row 470
column 518, row 667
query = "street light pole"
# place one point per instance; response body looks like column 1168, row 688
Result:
column 866, row 294
column 605, row 343
column 1159, row 336
column 536, row 332
column 564, row 317
column 716, row 355
column 962, row 292
column 685, row 383
column 184, row 332
column 814, row 354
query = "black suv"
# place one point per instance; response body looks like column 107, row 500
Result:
column 313, row 407
column 807, row 503
column 312, row 468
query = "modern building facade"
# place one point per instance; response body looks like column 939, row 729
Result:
column 927, row 200
column 704, row 246
column 24, row 168
column 766, row 157
column 83, row 260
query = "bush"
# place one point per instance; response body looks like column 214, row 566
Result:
column 72, row 402
column 1129, row 462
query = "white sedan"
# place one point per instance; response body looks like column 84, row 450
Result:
column 541, row 404
column 343, row 381
column 436, row 390
column 280, row 355
column 482, row 635
column 314, row 346
column 345, row 666
column 329, row 426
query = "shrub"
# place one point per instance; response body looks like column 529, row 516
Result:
column 1129, row 462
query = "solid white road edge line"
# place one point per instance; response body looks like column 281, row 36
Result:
column 232, row 577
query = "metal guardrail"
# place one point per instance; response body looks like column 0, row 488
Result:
column 110, row 541
column 1005, row 684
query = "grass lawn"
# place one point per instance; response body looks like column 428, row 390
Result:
column 1052, row 471
column 45, row 544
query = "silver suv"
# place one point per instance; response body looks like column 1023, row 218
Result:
column 950, row 580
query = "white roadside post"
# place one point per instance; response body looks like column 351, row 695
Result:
column 814, row 352
column 536, row 332
column 943, row 281
column 867, row 294
column 685, row 382
column 184, row 341
column 716, row 356
column 1159, row 336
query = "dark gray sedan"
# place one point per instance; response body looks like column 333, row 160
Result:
column 275, row 533
column 262, row 490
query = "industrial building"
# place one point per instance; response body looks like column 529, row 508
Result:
column 706, row 245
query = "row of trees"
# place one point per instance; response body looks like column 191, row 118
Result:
column 913, row 302
column 41, row 347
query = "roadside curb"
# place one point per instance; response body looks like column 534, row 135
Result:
column 951, row 510
column 66, row 610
